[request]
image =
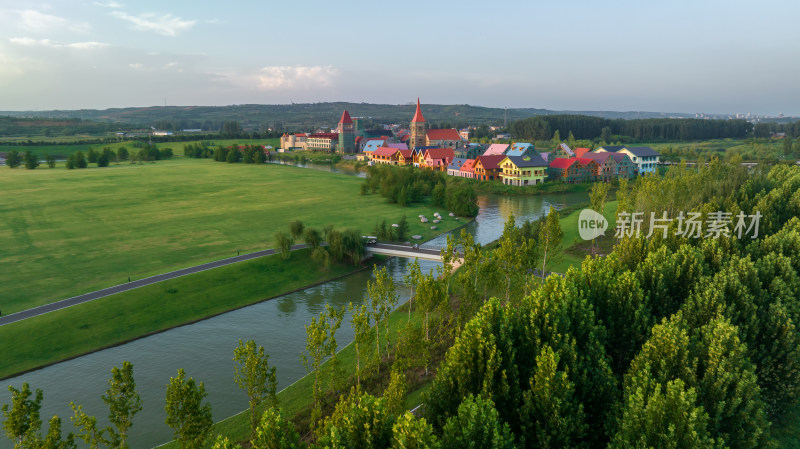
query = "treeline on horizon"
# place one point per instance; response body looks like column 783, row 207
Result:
column 586, row 127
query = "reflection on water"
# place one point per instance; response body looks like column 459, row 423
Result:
column 205, row 349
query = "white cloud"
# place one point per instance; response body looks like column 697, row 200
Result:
column 29, row 42
column 282, row 77
column 38, row 22
column 108, row 4
column 166, row 25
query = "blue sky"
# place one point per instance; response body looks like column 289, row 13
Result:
column 677, row 56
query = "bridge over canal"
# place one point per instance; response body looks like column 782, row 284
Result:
column 427, row 252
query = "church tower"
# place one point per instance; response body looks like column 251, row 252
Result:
column 347, row 138
column 418, row 132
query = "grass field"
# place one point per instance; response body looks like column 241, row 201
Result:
column 125, row 316
column 67, row 232
column 61, row 151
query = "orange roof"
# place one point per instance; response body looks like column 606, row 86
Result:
column 345, row 117
column 469, row 166
column 579, row 152
column 443, row 134
column 407, row 153
column 385, row 151
column 418, row 115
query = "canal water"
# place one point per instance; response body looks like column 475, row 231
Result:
column 205, row 349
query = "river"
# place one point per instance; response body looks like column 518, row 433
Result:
column 205, row 349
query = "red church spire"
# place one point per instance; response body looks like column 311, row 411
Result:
column 345, row 117
column 418, row 115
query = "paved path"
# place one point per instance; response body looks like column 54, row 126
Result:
column 64, row 303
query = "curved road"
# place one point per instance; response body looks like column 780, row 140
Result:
column 64, row 303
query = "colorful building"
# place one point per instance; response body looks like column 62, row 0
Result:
column 487, row 168
column 468, row 169
column 347, row 137
column 523, row 170
column 454, row 169
column 322, row 142
column 386, row 156
column 418, row 128
column 521, row 149
column 436, row 159
column 645, row 158
column 562, row 150
column 496, row 149
column 572, row 170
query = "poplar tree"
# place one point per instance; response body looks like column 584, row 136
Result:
column 550, row 237
column 411, row 279
column 256, row 377
column 361, row 326
column 188, row 417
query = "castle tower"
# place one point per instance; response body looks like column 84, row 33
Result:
column 347, row 138
column 418, row 134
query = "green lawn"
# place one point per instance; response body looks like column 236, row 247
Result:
column 569, row 225
column 114, row 319
column 61, row 151
column 67, row 232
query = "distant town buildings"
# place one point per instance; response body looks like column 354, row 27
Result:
column 447, row 150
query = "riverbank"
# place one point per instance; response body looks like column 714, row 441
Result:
column 117, row 319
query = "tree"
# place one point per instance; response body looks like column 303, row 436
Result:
column 410, row 432
column 71, row 163
column 477, row 425
column 411, row 279
column 360, row 421
column 122, row 154
column 663, row 417
column 296, row 228
column 23, row 425
column 92, row 155
column 395, row 394
column 360, row 323
column 382, row 296
column 123, row 403
column 284, row 243
column 605, row 134
column 552, row 417
column 13, row 159
column 80, row 160
column 322, row 256
column 234, row 155
column 312, row 237
column 597, row 200
column 550, row 238
column 51, row 160
column 430, row 296
column 254, row 375
column 439, row 194
column 188, row 417
column 401, row 231
column 787, row 146
column 321, row 344
column 21, row 420
column 31, row 161
column 556, row 140
column 571, row 140
column 274, row 431
column 102, row 160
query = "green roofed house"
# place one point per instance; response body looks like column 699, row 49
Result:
column 523, row 170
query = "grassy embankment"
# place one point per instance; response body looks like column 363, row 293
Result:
column 115, row 319
column 67, row 232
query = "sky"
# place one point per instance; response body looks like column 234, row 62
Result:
column 708, row 56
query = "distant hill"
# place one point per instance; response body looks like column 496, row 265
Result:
column 309, row 116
